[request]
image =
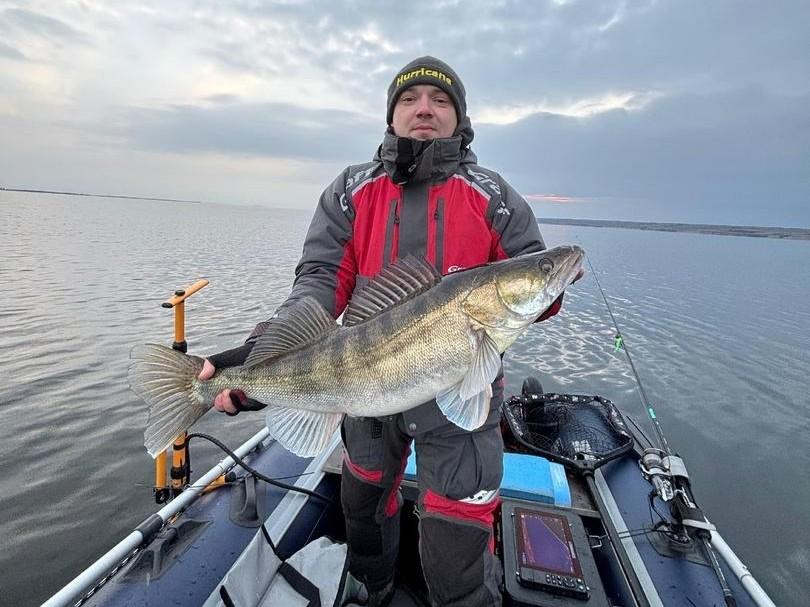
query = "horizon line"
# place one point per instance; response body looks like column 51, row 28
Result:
column 665, row 226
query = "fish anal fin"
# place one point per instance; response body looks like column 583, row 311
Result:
column 305, row 321
column 303, row 432
column 468, row 414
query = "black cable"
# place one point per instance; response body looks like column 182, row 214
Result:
column 654, row 508
column 253, row 471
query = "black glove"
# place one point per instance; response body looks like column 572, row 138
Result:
column 236, row 357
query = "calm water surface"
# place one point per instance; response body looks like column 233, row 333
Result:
column 719, row 328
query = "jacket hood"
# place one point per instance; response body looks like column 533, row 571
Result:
column 412, row 160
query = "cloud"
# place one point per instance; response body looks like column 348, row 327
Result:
column 579, row 108
column 688, row 153
column 9, row 52
column 276, row 130
column 42, row 25
column 119, row 169
column 554, row 198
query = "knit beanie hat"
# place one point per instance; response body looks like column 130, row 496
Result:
column 428, row 70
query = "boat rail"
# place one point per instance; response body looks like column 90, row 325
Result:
column 142, row 534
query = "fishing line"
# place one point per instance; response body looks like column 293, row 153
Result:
column 620, row 344
column 248, row 468
column 702, row 534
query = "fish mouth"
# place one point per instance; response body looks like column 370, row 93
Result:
column 561, row 264
column 571, row 264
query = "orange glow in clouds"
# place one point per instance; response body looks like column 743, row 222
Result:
column 558, row 198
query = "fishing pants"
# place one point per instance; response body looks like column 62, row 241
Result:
column 459, row 474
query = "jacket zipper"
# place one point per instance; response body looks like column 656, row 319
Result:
column 438, row 217
column 393, row 219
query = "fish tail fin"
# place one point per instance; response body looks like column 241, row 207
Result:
column 164, row 379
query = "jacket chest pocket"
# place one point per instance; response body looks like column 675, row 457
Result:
column 464, row 238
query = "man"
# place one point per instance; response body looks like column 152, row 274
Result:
column 423, row 194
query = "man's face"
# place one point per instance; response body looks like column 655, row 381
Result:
column 424, row 112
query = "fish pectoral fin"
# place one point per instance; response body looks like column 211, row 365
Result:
column 468, row 414
column 467, row 403
column 305, row 433
column 484, row 368
column 305, row 322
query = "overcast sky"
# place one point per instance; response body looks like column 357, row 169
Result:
column 668, row 110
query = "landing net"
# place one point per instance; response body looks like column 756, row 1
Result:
column 581, row 432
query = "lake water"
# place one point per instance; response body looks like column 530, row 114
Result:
column 719, row 329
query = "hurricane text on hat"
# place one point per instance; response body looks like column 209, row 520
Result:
column 405, row 76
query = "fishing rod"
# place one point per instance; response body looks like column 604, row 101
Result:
column 667, row 471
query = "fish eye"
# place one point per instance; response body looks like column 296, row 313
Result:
column 546, row 265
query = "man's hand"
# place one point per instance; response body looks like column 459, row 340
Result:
column 229, row 401
column 223, row 402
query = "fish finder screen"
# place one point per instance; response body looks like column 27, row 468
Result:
column 544, row 542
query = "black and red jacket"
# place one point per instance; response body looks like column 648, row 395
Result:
column 447, row 209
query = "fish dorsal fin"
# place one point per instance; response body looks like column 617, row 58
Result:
column 305, row 433
column 304, row 322
column 467, row 403
column 402, row 280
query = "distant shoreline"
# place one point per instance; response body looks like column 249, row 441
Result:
column 692, row 228
column 27, row 191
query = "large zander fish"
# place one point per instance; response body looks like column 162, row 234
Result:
column 407, row 337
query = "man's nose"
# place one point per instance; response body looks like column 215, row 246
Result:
column 423, row 106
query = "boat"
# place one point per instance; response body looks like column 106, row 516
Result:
column 595, row 488
column 594, row 513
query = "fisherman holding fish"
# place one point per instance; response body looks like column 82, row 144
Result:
column 423, row 198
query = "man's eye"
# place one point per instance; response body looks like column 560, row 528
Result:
column 441, row 100
column 406, row 99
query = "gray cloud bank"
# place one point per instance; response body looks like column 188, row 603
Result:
column 9, row 52
column 691, row 154
column 698, row 155
column 38, row 24
column 273, row 130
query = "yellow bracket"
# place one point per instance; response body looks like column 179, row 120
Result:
column 179, row 473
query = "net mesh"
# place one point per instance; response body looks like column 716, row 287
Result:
column 578, row 431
